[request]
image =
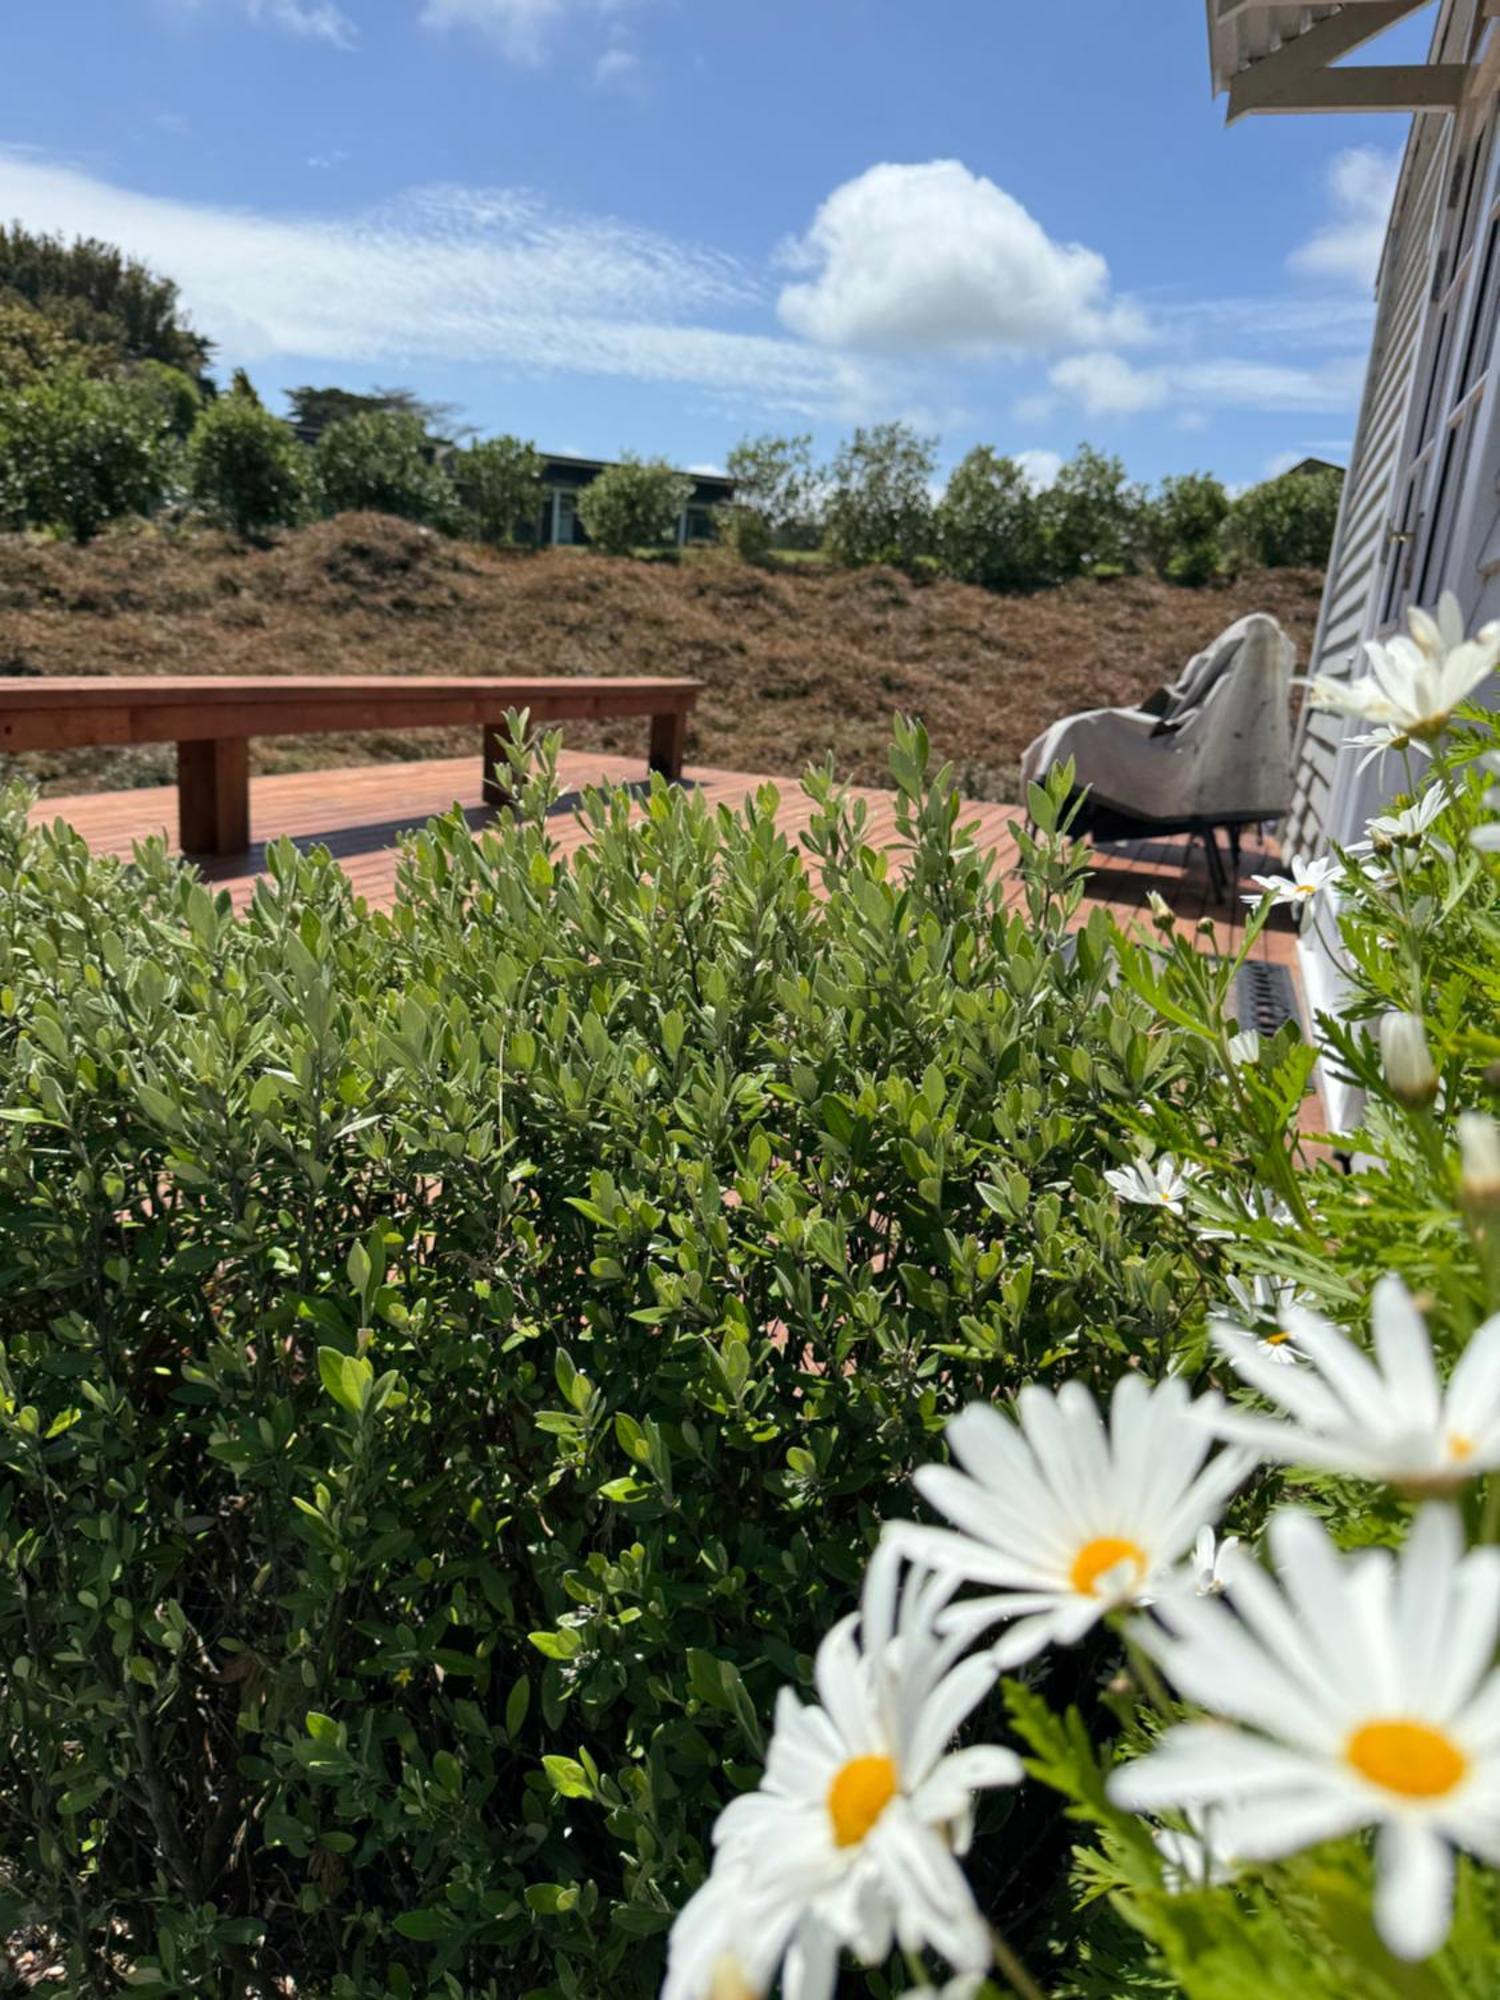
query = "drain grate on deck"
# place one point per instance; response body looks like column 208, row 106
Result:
column 1265, row 997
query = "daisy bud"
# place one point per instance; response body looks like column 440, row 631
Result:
column 1207, row 927
column 1407, row 1060
column 1161, row 911
column 1478, row 1161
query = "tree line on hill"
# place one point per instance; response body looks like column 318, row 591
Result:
column 108, row 410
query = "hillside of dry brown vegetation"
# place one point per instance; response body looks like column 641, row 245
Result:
column 797, row 662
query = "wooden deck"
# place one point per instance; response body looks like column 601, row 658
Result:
column 358, row 814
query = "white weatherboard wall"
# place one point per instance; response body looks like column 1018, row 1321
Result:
column 1421, row 509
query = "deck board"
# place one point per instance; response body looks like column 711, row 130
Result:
column 359, row 813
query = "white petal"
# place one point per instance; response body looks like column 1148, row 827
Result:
column 1405, row 1351
column 1413, row 1889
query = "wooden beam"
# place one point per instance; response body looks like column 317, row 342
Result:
column 1390, row 87
column 1265, row 84
column 213, row 796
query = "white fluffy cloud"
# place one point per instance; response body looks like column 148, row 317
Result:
column 1361, row 186
column 461, row 275
column 936, row 259
column 1108, row 385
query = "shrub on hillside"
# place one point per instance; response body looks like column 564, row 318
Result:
column 452, row 1364
column 777, row 496
column 381, row 462
column 878, row 506
column 1288, row 521
column 635, row 504
column 245, row 468
column 1182, row 527
column 31, row 344
column 78, row 451
column 499, row 482
column 1092, row 517
column 988, row 528
column 177, row 395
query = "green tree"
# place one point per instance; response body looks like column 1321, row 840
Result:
column 988, row 524
column 382, row 461
column 313, row 409
column 176, row 394
column 499, row 482
column 1287, row 521
column 776, row 495
column 78, row 450
column 30, row 344
column 97, row 295
column 634, row 505
column 246, row 468
column 1182, row 527
column 1092, row 517
column 879, row 506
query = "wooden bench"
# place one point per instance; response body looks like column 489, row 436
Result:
column 212, row 718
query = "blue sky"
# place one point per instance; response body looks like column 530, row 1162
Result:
column 658, row 225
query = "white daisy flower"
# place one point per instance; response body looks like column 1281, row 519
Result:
column 1388, row 1419
column 1211, row 1561
column 853, row 1836
column 1405, row 828
column 1361, row 1693
column 1156, row 1184
column 1307, row 880
column 1265, row 1304
column 1415, row 682
column 1244, row 1049
column 1064, row 1519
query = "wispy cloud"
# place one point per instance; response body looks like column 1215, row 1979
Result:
column 455, row 274
column 524, row 31
column 315, row 20
column 1106, row 384
column 1361, row 184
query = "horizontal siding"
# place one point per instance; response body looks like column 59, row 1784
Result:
column 1358, row 565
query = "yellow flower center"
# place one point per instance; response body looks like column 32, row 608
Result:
column 1097, row 1558
column 1277, row 1339
column 1410, row 1758
column 729, row 1983
column 1459, row 1446
column 860, row 1792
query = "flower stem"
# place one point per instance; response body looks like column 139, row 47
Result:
column 1012, row 1970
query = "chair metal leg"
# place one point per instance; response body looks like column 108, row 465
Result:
column 1218, row 881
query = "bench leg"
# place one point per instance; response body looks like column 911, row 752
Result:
column 213, row 796
column 494, row 788
column 669, row 743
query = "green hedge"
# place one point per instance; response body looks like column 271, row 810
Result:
column 454, row 1360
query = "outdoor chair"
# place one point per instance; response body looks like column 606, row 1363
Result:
column 1211, row 752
